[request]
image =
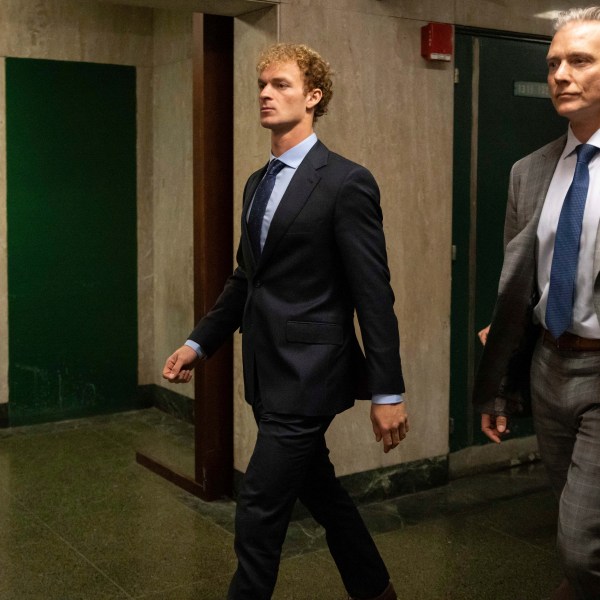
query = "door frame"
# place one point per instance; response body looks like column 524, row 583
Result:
column 463, row 329
column 213, row 243
column 212, row 172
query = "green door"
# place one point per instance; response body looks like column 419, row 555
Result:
column 71, row 211
column 501, row 114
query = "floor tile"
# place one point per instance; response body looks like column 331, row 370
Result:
column 309, row 577
column 531, row 519
column 80, row 519
column 216, row 589
column 454, row 559
column 49, row 570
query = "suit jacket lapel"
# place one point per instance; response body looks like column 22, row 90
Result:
column 251, row 186
column 539, row 173
column 546, row 168
column 301, row 186
column 534, row 194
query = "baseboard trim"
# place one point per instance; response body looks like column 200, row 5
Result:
column 493, row 457
column 384, row 483
column 170, row 402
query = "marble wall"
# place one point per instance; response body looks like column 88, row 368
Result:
column 510, row 15
column 172, row 188
column 507, row 15
column 3, row 245
column 75, row 30
column 145, row 224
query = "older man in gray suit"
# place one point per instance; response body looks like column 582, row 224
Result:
column 544, row 340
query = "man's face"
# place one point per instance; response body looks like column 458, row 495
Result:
column 283, row 102
column 574, row 72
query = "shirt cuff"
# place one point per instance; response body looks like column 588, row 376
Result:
column 195, row 347
column 387, row 398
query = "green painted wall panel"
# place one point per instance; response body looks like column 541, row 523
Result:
column 71, row 210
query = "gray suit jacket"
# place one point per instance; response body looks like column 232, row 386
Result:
column 502, row 381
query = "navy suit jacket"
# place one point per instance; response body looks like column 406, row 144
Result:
column 324, row 257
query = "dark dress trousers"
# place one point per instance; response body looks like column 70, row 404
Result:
column 324, row 258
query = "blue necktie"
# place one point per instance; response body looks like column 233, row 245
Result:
column 559, row 310
column 259, row 205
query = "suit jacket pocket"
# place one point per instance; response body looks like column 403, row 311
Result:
column 304, row 332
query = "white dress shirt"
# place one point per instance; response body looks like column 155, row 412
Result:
column 585, row 321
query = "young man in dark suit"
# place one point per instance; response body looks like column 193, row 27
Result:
column 312, row 252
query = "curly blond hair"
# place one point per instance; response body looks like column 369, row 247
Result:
column 317, row 72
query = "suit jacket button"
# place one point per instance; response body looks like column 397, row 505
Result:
column 257, row 283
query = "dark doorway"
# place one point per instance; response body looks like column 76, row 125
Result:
column 501, row 114
column 72, row 251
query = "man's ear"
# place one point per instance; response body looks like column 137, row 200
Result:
column 313, row 98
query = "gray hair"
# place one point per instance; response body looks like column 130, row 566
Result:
column 591, row 13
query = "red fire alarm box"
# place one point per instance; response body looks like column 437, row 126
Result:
column 436, row 41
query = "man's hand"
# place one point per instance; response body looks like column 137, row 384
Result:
column 390, row 424
column 178, row 368
column 483, row 335
column 494, row 427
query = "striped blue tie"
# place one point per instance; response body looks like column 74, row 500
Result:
column 259, row 205
column 563, row 275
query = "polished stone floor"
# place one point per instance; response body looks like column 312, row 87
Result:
column 80, row 520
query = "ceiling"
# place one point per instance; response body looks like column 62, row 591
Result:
column 229, row 8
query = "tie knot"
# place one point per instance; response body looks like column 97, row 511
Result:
column 274, row 167
column 585, row 152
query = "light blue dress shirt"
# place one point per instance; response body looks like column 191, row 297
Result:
column 292, row 159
